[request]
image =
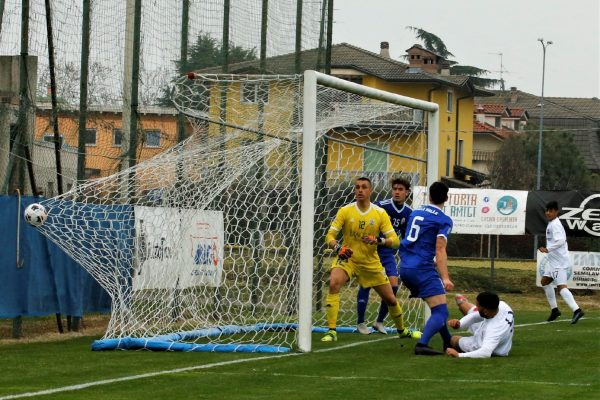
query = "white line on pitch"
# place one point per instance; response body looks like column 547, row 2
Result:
column 404, row 379
column 172, row 371
column 231, row 362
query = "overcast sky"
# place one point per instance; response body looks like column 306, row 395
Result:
column 473, row 30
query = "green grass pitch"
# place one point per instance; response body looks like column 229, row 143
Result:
column 548, row 361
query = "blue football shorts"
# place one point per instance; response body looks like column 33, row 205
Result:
column 422, row 283
column 389, row 263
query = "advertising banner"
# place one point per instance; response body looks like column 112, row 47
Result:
column 583, row 273
column 482, row 211
column 177, row 248
column 579, row 212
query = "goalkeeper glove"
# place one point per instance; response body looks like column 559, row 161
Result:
column 379, row 241
column 343, row 252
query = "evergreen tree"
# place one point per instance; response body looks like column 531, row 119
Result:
column 206, row 52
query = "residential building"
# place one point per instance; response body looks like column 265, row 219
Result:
column 425, row 77
column 579, row 116
column 104, row 141
column 492, row 124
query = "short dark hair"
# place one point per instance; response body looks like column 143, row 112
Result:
column 438, row 191
column 488, row 300
column 398, row 180
column 552, row 205
column 364, row 178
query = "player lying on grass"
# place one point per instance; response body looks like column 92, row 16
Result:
column 399, row 212
column 493, row 324
column 361, row 224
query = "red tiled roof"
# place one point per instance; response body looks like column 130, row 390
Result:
column 503, row 133
column 490, row 108
column 480, row 127
column 516, row 111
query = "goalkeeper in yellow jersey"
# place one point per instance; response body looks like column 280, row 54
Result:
column 361, row 224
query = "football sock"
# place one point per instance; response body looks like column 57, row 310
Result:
column 550, row 295
column 569, row 299
column 362, row 299
column 397, row 316
column 383, row 308
column 332, row 304
column 435, row 323
column 446, row 335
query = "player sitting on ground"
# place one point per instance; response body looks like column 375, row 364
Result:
column 361, row 224
column 399, row 213
column 493, row 334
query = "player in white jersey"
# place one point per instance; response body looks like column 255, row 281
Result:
column 557, row 265
column 494, row 334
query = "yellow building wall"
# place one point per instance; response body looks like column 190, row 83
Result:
column 278, row 114
column 449, row 134
column 244, row 119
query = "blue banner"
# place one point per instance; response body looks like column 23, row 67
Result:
column 44, row 280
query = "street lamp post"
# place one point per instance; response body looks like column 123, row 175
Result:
column 541, row 136
column 539, row 156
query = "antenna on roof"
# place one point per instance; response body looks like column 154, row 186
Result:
column 501, row 71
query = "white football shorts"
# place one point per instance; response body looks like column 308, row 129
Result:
column 558, row 275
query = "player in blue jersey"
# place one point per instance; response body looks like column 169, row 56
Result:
column 424, row 267
column 399, row 213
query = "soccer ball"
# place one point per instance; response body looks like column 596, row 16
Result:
column 35, row 214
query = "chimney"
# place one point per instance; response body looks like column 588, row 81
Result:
column 445, row 68
column 514, row 95
column 479, row 113
column 385, row 50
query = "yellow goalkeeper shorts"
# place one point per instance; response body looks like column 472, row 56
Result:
column 367, row 276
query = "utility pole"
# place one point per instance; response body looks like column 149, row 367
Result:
column 541, row 135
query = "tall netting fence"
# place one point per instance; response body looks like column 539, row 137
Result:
column 171, row 38
column 200, row 244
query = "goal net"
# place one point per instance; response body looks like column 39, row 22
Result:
column 218, row 243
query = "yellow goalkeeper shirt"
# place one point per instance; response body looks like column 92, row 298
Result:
column 355, row 224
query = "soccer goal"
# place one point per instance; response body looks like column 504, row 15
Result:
column 217, row 244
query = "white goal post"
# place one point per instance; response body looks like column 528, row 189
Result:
column 311, row 80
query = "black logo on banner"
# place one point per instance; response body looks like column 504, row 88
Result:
column 584, row 218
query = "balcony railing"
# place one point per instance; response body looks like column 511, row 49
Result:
column 481, row 155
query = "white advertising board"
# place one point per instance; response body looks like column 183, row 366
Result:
column 583, row 273
column 177, row 248
column 482, row 211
